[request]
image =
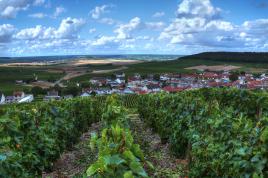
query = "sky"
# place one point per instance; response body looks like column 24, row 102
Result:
column 84, row 27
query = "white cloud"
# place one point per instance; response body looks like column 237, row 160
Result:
column 197, row 8
column 198, row 23
column 6, row 33
column 198, row 26
column 104, row 40
column 99, row 10
column 68, row 29
column 159, row 14
column 256, row 27
column 10, row 8
column 124, row 30
column 9, row 12
column 59, row 11
column 38, row 15
column 39, row 2
column 31, row 33
column 92, row 30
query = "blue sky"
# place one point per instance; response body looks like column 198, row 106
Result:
column 59, row 27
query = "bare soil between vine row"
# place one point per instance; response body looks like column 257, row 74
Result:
column 75, row 162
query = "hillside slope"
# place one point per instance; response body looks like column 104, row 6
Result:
column 247, row 57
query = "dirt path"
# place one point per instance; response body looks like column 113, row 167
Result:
column 166, row 165
column 75, row 74
column 74, row 163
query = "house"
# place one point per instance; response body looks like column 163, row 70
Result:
column 52, row 95
column 98, row 81
column 26, row 99
column 103, row 91
column 18, row 95
column 128, row 91
column 154, row 88
column 120, row 75
column 164, row 77
column 170, row 89
column 254, row 84
column 19, row 82
column 85, row 94
column 10, row 99
column 2, row 98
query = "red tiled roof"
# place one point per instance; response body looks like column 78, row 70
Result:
column 210, row 75
column 142, row 92
column 253, row 84
column 172, row 89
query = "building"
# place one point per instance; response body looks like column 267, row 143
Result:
column 26, row 99
column 85, row 94
column 18, row 95
column 52, row 95
column 170, row 89
column 10, row 99
column 2, row 98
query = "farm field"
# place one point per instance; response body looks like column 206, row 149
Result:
column 83, row 70
column 199, row 133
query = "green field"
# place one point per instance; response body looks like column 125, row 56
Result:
column 178, row 66
column 8, row 75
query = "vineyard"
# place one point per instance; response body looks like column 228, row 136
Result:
column 202, row 133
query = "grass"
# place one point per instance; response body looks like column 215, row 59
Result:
column 8, row 76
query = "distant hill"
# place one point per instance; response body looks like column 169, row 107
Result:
column 247, row 57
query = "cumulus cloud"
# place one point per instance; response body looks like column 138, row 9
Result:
column 197, row 8
column 197, row 26
column 158, row 14
column 6, row 33
column 105, row 40
column 199, row 23
column 10, row 8
column 68, row 29
column 99, row 10
column 124, row 30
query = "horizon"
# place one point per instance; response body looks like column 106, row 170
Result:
column 125, row 54
column 181, row 27
column 93, row 55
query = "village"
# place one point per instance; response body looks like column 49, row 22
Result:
column 119, row 83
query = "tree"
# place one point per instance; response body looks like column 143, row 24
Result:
column 113, row 76
column 256, row 75
column 233, row 77
column 38, row 91
column 85, row 84
column 156, row 77
column 71, row 90
column 243, row 73
column 51, row 79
